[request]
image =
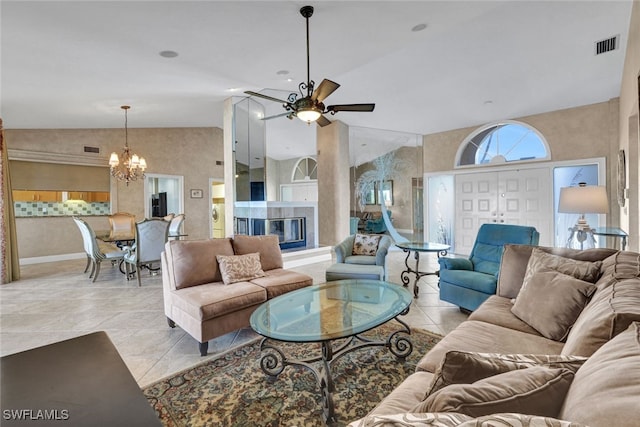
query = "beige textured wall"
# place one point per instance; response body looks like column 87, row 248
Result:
column 575, row 133
column 189, row 152
column 629, row 129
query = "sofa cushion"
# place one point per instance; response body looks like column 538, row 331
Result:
column 605, row 390
column 268, row 246
column 475, row 336
column 610, row 311
column 405, row 396
column 461, row 367
column 240, row 268
column 193, row 262
column 619, row 266
column 540, row 260
column 518, row 420
column 497, row 311
column 279, row 281
column 360, row 259
column 475, row 280
column 536, row 390
column 365, row 244
column 516, row 258
column 216, row 299
column 552, row 302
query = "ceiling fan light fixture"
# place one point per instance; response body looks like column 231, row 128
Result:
column 309, row 114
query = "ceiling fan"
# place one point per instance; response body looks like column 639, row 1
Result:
column 309, row 108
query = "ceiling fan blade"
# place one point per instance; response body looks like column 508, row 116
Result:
column 323, row 121
column 326, row 88
column 351, row 107
column 276, row 116
column 270, row 98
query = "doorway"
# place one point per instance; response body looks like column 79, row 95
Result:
column 169, row 189
column 217, row 208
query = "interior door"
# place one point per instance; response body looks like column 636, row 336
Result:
column 476, row 204
column 520, row 197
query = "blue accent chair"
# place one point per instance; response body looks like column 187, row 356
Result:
column 467, row 283
column 376, row 225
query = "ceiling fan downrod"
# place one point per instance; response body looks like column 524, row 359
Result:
column 307, row 12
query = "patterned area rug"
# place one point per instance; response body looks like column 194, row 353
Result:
column 232, row 390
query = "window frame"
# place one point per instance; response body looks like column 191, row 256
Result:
column 483, row 129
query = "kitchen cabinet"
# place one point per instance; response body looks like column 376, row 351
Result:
column 36, row 196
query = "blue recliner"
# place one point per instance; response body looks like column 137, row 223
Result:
column 467, row 283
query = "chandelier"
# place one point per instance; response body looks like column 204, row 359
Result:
column 127, row 167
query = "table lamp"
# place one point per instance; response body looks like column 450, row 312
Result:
column 583, row 199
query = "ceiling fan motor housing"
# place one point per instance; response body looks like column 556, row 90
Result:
column 306, row 11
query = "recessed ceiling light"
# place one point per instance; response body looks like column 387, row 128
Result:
column 168, row 54
column 488, row 102
column 418, row 27
column 282, row 72
column 289, row 79
column 233, row 89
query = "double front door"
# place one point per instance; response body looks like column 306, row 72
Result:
column 521, row 197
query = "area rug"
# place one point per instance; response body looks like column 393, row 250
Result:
column 232, row 390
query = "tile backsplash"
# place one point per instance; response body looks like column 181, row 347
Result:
column 68, row 208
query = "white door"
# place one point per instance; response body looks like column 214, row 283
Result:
column 521, row 197
column 476, row 204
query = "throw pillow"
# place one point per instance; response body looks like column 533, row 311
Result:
column 366, row 244
column 518, row 420
column 407, row 419
column 535, row 391
column 463, row 367
column 611, row 310
column 552, row 302
column 238, row 268
column 540, row 260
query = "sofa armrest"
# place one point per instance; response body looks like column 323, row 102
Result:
column 455, row 264
column 383, row 249
column 344, row 249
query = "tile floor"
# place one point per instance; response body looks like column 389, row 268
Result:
column 56, row 301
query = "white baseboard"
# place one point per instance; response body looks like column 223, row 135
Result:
column 52, row 258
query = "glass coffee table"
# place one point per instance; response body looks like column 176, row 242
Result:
column 325, row 313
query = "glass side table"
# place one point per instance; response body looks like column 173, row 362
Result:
column 612, row 232
column 416, row 248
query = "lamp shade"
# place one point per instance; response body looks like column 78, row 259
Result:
column 584, row 199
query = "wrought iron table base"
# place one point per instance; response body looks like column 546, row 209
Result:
column 404, row 276
column 274, row 360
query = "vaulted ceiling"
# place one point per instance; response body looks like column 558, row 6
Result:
column 72, row 64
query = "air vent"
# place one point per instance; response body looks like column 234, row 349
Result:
column 88, row 149
column 219, row 163
column 607, row 45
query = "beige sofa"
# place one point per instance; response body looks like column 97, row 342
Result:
column 196, row 297
column 588, row 374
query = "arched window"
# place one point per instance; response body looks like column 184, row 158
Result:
column 305, row 170
column 504, row 142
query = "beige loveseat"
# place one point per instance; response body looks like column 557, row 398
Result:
column 196, row 297
column 496, row 369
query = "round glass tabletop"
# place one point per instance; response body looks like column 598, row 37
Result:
column 423, row 246
column 330, row 311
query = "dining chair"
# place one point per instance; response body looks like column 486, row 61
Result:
column 96, row 250
column 174, row 226
column 122, row 224
column 151, row 236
